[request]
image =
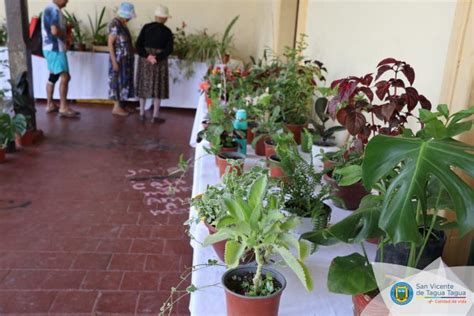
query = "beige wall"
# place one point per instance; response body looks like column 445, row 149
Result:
column 351, row 36
column 252, row 31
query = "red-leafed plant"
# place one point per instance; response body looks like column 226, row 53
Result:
column 397, row 97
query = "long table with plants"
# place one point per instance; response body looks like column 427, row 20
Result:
column 284, row 222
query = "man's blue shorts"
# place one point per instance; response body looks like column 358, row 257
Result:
column 57, row 62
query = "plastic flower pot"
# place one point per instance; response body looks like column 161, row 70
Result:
column 25, row 139
column 296, row 130
column 232, row 149
column 11, row 147
column 351, row 194
column 223, row 164
column 239, row 304
column 2, row 155
column 219, row 247
column 260, row 146
column 399, row 253
column 269, row 148
column 361, row 301
column 275, row 168
column 250, row 135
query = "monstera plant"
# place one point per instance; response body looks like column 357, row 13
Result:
column 416, row 176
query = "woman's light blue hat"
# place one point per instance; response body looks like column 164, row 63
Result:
column 127, row 11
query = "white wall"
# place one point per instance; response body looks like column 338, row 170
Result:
column 350, row 37
column 251, row 32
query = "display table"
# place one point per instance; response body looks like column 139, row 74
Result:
column 89, row 79
column 295, row 299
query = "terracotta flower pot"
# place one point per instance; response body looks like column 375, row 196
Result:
column 260, row 146
column 227, row 150
column 296, row 129
column 238, row 305
column 219, row 247
column 374, row 241
column 270, row 148
column 223, row 164
column 362, row 300
column 351, row 194
column 275, row 169
column 38, row 136
column 250, row 134
column 2, row 155
column 25, row 139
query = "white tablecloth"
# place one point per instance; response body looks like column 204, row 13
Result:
column 295, row 301
column 89, row 79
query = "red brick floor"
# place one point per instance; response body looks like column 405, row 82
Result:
column 77, row 236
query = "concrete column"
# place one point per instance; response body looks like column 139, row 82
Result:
column 18, row 38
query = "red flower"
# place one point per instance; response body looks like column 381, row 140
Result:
column 208, row 101
column 204, row 86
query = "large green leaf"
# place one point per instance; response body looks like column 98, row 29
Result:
column 212, row 239
column 360, row 225
column 257, row 191
column 351, row 275
column 234, row 208
column 297, row 266
column 422, row 159
column 233, row 252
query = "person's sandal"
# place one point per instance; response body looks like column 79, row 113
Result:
column 52, row 109
column 158, row 120
column 68, row 114
column 120, row 113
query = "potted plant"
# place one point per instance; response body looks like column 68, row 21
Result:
column 406, row 214
column 322, row 135
column 295, row 88
column 3, row 34
column 227, row 42
column 79, row 38
column 343, row 172
column 299, row 188
column 209, row 204
column 261, row 227
column 268, row 121
column 9, row 128
column 98, row 28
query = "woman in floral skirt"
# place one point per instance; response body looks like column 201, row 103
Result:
column 122, row 59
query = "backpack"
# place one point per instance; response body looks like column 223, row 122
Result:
column 36, row 38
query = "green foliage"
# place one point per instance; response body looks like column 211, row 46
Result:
column 228, row 38
column 3, row 34
column 79, row 35
column 295, row 84
column 256, row 223
column 434, row 154
column 10, row 126
column 209, row 204
column 301, row 182
column 324, row 135
column 220, row 130
column 351, row 275
column 98, row 28
column 267, row 286
column 203, row 47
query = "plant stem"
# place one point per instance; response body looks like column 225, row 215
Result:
column 257, row 279
column 365, row 253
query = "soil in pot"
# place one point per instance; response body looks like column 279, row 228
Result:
column 2, row 155
column 296, row 129
column 270, row 146
column 351, row 195
column 222, row 162
column 399, row 253
column 238, row 304
column 275, row 168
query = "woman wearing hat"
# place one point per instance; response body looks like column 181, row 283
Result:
column 154, row 45
column 122, row 58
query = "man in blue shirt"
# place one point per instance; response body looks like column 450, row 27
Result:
column 54, row 32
